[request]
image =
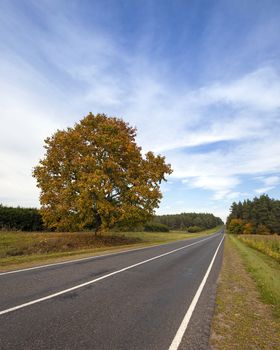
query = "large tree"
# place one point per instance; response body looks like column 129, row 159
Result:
column 94, row 176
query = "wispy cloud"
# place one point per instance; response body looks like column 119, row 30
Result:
column 258, row 90
column 263, row 190
column 270, row 182
column 213, row 130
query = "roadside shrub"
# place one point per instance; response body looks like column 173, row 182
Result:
column 236, row 226
column 155, row 227
column 248, row 228
column 194, row 229
column 21, row 219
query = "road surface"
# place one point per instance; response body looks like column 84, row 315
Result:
column 132, row 300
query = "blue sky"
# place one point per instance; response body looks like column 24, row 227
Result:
column 199, row 79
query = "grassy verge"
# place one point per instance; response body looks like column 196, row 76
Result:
column 265, row 272
column 23, row 249
column 243, row 319
column 269, row 245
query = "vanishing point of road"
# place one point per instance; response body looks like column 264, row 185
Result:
column 159, row 297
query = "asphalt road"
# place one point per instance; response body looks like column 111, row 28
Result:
column 131, row 300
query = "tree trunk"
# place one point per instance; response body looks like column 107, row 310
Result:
column 98, row 224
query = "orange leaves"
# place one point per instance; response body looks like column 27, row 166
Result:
column 94, row 174
column 248, row 228
column 236, row 226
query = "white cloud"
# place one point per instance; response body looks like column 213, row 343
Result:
column 259, row 90
column 264, row 189
column 240, row 110
column 214, row 182
column 226, row 195
column 250, row 158
column 270, row 180
column 221, row 185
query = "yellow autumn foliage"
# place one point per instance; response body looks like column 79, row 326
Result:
column 94, row 176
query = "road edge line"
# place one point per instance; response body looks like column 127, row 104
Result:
column 184, row 324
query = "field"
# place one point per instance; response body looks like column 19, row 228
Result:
column 269, row 245
column 247, row 314
column 27, row 248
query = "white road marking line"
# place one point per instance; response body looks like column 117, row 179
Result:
column 183, row 326
column 87, row 258
column 77, row 260
column 98, row 279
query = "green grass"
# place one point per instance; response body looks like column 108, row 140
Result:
column 29, row 248
column 242, row 320
column 269, row 245
column 265, row 272
column 165, row 237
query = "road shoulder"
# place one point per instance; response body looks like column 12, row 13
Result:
column 241, row 320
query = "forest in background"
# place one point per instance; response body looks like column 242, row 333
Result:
column 192, row 222
column 258, row 216
column 29, row 219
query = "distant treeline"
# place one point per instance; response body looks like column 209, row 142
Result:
column 189, row 221
column 259, row 216
column 24, row 219
column 30, row 219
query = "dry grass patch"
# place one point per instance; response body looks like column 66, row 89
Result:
column 27, row 248
column 23, row 243
column 20, row 247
